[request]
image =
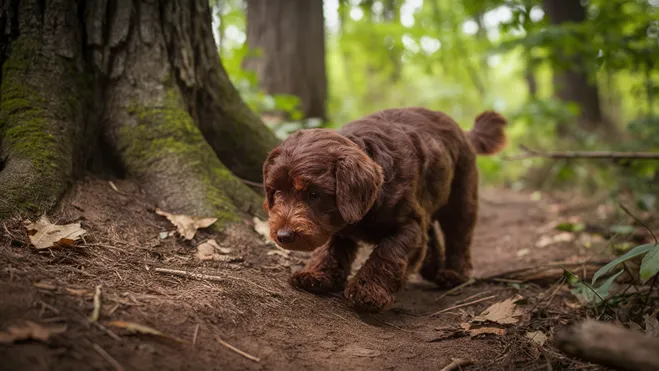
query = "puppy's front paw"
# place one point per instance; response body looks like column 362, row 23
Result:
column 448, row 279
column 317, row 282
column 368, row 297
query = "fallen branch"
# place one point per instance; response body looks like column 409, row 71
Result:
column 231, row 347
column 594, row 155
column 610, row 345
column 456, row 364
column 201, row 276
column 117, row 366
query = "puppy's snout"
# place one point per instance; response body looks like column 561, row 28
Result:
column 285, row 236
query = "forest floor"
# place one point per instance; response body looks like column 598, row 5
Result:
column 252, row 307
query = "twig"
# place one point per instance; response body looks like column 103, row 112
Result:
column 117, row 366
column 109, row 332
column 194, row 337
column 97, row 305
column 596, row 155
column 251, row 183
column 456, row 363
column 231, row 347
column 513, row 272
column 462, row 305
column 470, row 282
column 201, row 276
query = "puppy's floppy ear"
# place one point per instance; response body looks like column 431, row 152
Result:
column 269, row 194
column 358, row 182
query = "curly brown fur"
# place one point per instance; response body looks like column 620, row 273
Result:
column 382, row 179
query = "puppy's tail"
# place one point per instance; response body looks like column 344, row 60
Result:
column 488, row 136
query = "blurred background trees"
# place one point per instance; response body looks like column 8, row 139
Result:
column 569, row 74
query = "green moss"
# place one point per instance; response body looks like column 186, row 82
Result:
column 167, row 134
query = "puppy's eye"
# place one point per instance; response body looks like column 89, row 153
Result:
column 314, row 195
column 277, row 194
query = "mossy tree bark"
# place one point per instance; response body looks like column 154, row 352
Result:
column 140, row 79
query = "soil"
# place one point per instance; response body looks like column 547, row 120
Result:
column 253, row 308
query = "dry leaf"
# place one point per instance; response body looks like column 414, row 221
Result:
column 537, row 337
column 187, row 225
column 545, row 241
column 211, row 250
column 487, row 330
column 142, row 329
column 482, row 330
column 44, row 234
column 504, row 312
column 651, row 326
column 261, row 227
column 29, row 330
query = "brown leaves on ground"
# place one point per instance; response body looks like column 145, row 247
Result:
column 504, row 312
column 211, row 250
column 29, row 330
column 186, row 225
column 499, row 314
column 44, row 234
column 537, row 337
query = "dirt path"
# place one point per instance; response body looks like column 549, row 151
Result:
column 253, row 308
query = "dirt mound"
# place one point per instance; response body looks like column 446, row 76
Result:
column 249, row 306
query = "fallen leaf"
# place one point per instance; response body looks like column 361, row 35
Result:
column 487, row 330
column 504, row 312
column 44, row 234
column 142, row 329
column 211, row 250
column 261, row 227
column 163, row 235
column 186, row 225
column 537, row 337
column 651, row 326
column 545, row 241
column 29, row 330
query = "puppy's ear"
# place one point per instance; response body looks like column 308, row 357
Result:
column 269, row 194
column 358, row 182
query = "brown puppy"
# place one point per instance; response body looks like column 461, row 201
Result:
column 383, row 180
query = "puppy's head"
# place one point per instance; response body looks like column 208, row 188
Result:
column 316, row 182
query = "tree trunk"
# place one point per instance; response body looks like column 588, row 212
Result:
column 572, row 84
column 143, row 78
column 290, row 38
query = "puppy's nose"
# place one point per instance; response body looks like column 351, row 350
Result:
column 285, row 235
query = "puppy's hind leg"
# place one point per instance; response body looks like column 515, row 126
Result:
column 435, row 255
column 457, row 220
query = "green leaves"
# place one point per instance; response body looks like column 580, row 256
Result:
column 649, row 266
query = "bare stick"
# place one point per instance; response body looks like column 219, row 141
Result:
column 610, row 345
column 194, row 337
column 231, row 347
column 97, row 305
column 470, row 282
column 201, row 276
column 456, row 364
column 463, row 305
column 117, row 366
column 595, row 155
column 519, row 273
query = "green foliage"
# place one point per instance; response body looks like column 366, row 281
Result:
column 463, row 57
column 649, row 265
column 589, row 293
